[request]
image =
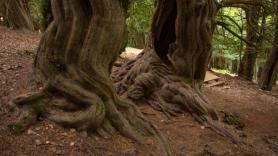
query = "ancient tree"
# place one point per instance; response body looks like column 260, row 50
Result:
column 169, row 73
column 17, row 14
column 74, row 62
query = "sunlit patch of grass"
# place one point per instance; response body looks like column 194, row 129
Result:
column 220, row 71
column 223, row 71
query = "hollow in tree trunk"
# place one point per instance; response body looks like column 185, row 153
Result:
column 169, row 73
column 17, row 14
column 74, row 60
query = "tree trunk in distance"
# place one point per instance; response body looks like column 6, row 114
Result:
column 270, row 69
column 2, row 13
column 234, row 66
column 246, row 68
column 17, row 14
column 137, row 39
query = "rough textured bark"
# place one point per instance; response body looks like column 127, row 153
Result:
column 247, row 65
column 17, row 14
column 168, row 74
column 74, row 60
column 270, row 69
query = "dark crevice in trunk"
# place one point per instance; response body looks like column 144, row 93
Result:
column 166, row 35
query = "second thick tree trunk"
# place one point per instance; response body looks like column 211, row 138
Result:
column 169, row 73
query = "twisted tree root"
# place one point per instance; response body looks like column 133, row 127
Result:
column 65, row 102
column 148, row 80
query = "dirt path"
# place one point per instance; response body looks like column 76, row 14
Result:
column 258, row 110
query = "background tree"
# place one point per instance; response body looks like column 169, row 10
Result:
column 239, row 29
column 139, row 21
column 246, row 68
column 228, row 37
column 2, row 9
column 17, row 14
column 270, row 70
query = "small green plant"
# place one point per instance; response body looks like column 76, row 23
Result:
column 234, row 120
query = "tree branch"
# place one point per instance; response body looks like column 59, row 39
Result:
column 225, row 26
column 241, row 3
column 232, row 20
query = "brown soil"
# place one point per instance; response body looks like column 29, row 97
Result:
column 257, row 109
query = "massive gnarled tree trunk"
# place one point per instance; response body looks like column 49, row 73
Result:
column 270, row 69
column 247, row 65
column 74, row 60
column 168, row 74
column 17, row 14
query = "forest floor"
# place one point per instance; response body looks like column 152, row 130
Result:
column 257, row 109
